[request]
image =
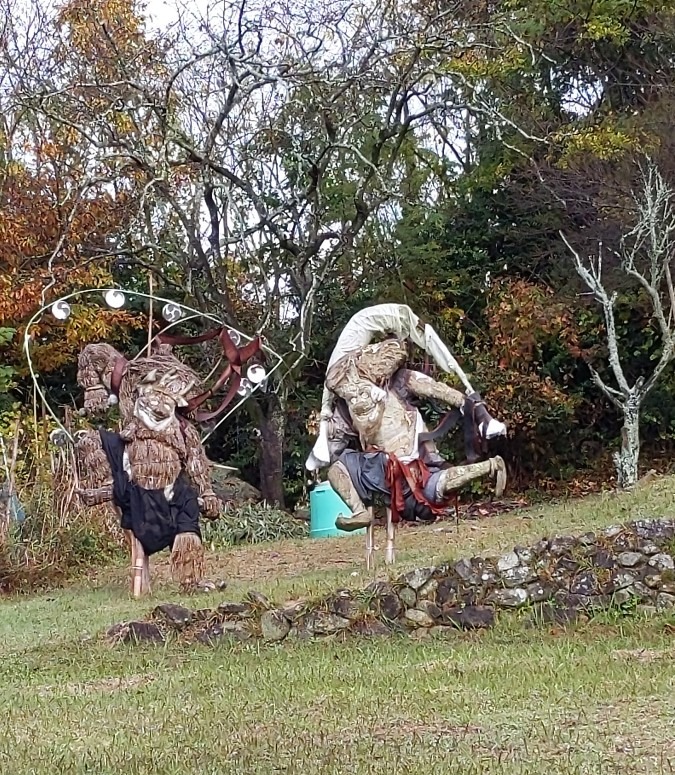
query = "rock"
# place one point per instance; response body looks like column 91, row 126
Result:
column 612, row 531
column 541, row 546
column 488, row 576
column 136, row 632
column 641, row 590
column 516, row 577
column 561, row 545
column 587, row 539
column 584, row 584
column 176, row 615
column 668, row 587
column 603, row 559
column 234, row 609
column 525, row 554
column 508, row 562
column 446, row 592
column 258, row 600
column 537, row 592
column 623, row 595
column 629, row 559
column 343, row 605
column 652, row 580
column 655, row 529
column 225, row 630
column 370, row 628
column 664, row 600
column 622, row 580
column 221, row 585
column 407, row 596
column 428, row 591
column 291, row 609
column 509, row 598
column 465, row 571
column 471, row 617
column 416, row 618
column 230, row 489
column 429, row 607
column 649, row 549
column 662, row 562
column 417, row 578
column 325, row 623
column 274, row 625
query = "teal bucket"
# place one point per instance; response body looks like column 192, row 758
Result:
column 325, row 505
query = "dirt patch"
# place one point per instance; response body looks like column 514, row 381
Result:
column 289, row 559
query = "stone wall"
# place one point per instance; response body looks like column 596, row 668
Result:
column 558, row 579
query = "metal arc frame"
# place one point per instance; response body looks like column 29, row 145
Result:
column 152, row 298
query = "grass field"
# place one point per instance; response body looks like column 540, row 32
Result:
column 596, row 698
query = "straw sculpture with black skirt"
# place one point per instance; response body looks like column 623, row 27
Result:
column 154, row 470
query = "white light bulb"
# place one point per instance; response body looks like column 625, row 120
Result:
column 114, row 299
column 171, row 312
column 245, row 387
column 61, row 310
column 256, row 373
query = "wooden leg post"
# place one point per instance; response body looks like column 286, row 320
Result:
column 140, row 567
column 370, row 542
column 389, row 552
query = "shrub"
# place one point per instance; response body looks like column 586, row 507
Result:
column 252, row 524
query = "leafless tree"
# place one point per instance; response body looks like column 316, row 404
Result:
column 646, row 254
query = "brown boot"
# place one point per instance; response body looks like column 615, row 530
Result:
column 341, row 482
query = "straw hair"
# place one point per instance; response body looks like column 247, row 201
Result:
column 374, row 363
column 94, row 373
column 187, row 559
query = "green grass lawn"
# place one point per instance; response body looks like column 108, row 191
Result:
column 596, row 698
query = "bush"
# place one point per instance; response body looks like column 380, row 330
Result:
column 56, row 539
column 252, row 524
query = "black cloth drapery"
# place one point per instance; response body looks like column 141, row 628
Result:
column 152, row 519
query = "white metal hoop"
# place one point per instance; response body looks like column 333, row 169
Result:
column 152, row 298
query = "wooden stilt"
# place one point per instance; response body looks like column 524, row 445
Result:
column 147, row 589
column 370, row 542
column 389, row 552
column 140, row 567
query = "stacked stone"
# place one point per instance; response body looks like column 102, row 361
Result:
column 558, row 578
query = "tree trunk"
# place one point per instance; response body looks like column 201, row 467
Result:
column 626, row 460
column 272, row 422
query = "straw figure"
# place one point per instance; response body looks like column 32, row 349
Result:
column 372, row 434
column 154, row 470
